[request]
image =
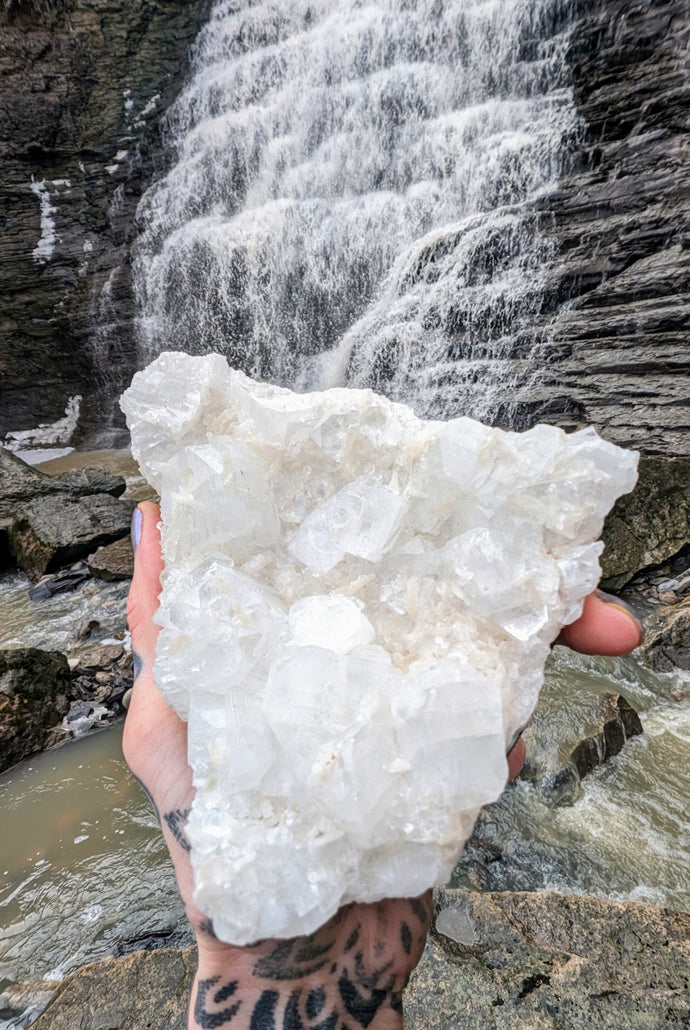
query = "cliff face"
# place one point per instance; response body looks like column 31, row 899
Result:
column 83, row 84
column 617, row 355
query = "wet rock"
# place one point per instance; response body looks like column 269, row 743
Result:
column 650, row 525
column 616, row 305
column 56, row 530
column 33, row 689
column 84, row 716
column 598, row 727
column 546, row 961
column 103, row 673
column 116, row 561
column 96, row 656
column 60, row 583
column 51, row 521
column 145, row 989
column 667, row 640
column 21, row 1004
column 83, row 85
column 21, row 483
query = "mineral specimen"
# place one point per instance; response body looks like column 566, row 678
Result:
column 356, row 610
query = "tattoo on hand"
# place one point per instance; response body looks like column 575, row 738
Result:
column 149, row 796
column 176, row 822
column 138, row 665
column 359, row 978
column 207, row 1019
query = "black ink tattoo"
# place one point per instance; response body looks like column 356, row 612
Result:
column 206, row 926
column 406, row 937
column 316, row 1000
column 264, row 1014
column 361, row 1008
column 138, row 664
column 292, row 959
column 176, row 821
column 149, row 796
column 209, row 1020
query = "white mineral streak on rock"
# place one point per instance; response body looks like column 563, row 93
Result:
column 356, row 610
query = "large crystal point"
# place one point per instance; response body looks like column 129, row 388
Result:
column 356, row 610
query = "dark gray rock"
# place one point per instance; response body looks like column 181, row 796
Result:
column 57, row 530
column 650, row 525
column 616, row 353
column 549, row 962
column 83, row 85
column 60, row 583
column 47, row 522
column 20, row 483
column 667, row 639
column 598, row 726
column 116, row 561
column 34, row 686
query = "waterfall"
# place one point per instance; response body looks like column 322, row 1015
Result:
column 349, row 196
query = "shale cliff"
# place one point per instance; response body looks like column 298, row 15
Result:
column 83, row 84
column 617, row 355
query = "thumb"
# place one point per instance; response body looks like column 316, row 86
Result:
column 146, row 586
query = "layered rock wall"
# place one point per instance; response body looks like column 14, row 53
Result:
column 83, row 84
column 615, row 329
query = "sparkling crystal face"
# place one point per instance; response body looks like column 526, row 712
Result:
column 356, row 610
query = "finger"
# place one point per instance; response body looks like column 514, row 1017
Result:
column 516, row 758
column 606, row 627
column 146, row 587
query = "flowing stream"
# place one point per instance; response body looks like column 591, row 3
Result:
column 348, row 203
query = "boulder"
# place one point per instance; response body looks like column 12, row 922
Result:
column 546, row 961
column 116, row 561
column 591, row 729
column 34, row 687
column 20, row 483
column 57, row 530
column 145, row 989
column 650, row 525
column 667, row 640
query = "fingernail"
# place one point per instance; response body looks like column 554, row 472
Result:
column 137, row 522
column 622, row 606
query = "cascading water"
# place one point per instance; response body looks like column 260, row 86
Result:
column 349, row 198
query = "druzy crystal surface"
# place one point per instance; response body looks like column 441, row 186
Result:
column 356, row 610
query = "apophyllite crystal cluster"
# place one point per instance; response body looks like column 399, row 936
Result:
column 356, row 610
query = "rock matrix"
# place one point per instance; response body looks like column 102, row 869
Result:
column 356, row 610
column 545, row 961
column 34, row 689
column 47, row 522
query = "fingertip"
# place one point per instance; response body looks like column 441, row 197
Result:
column 607, row 626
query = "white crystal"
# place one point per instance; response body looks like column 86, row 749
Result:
column 356, row 610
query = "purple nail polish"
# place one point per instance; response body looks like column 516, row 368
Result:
column 137, row 522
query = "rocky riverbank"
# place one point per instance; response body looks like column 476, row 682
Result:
column 532, row 961
column 66, row 533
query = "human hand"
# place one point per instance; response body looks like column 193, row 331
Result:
column 352, row 971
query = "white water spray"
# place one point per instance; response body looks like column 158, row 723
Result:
column 349, row 199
